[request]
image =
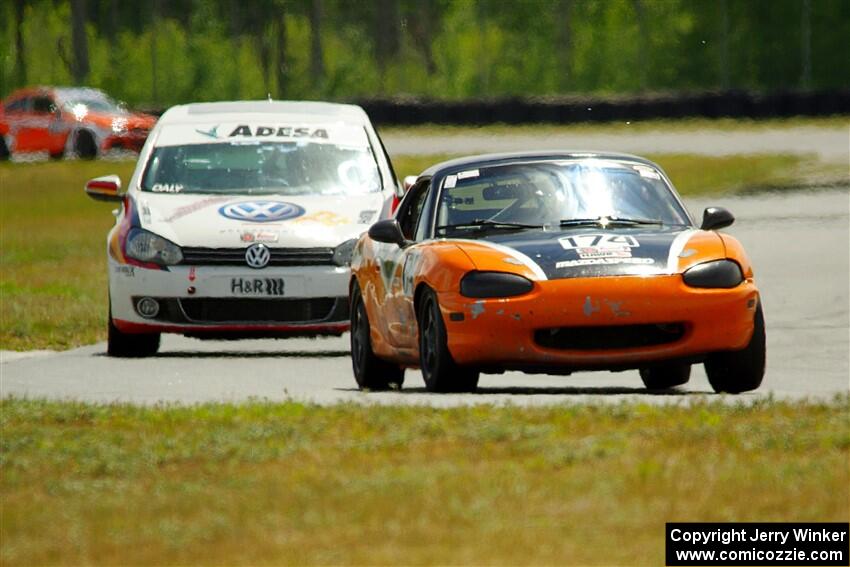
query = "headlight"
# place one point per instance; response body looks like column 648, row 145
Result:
column 719, row 273
column 494, row 284
column 148, row 247
column 119, row 125
column 342, row 253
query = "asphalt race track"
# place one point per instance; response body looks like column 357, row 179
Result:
column 829, row 143
column 798, row 243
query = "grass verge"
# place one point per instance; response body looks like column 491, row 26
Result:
column 53, row 254
column 288, row 483
column 52, row 237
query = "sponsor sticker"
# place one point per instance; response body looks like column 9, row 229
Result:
column 211, row 133
column 268, row 131
column 366, row 217
column 450, row 182
column 467, row 174
column 602, row 261
column 646, row 171
column 599, row 241
column 259, row 236
column 335, row 133
column 257, row 286
column 326, row 218
column 167, row 188
column 597, row 252
column 126, row 271
column 194, row 207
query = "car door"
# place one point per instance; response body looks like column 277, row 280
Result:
column 17, row 115
column 34, row 127
column 400, row 264
column 57, row 130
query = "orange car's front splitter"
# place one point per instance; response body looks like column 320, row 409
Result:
column 502, row 332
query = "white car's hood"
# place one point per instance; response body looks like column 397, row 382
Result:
column 235, row 221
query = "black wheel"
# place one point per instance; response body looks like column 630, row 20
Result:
column 4, row 150
column 126, row 345
column 84, row 145
column 371, row 372
column 742, row 370
column 439, row 369
column 664, row 376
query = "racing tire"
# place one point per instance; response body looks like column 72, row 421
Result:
column 439, row 370
column 85, row 146
column 370, row 372
column 5, row 154
column 739, row 371
column 664, row 376
column 126, row 345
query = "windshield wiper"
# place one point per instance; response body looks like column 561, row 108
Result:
column 478, row 223
column 610, row 221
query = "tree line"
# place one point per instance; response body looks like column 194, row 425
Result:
column 160, row 52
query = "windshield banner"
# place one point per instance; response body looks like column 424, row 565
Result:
column 255, row 131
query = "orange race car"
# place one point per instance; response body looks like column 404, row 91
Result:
column 552, row 262
column 68, row 121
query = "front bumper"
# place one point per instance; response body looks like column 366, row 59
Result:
column 638, row 321
column 230, row 300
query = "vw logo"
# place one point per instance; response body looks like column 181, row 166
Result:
column 261, row 211
column 258, row 255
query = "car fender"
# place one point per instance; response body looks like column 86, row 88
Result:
column 735, row 251
column 491, row 257
column 438, row 264
column 694, row 247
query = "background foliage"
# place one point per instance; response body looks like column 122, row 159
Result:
column 163, row 52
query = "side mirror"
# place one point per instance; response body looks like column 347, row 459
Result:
column 409, row 182
column 387, row 231
column 106, row 188
column 714, row 218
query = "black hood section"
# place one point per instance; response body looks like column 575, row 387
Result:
column 594, row 251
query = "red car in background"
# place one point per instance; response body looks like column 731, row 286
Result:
column 66, row 121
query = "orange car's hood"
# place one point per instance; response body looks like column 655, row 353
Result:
column 132, row 121
column 593, row 251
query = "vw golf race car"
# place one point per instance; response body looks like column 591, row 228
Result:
column 239, row 221
column 552, row 263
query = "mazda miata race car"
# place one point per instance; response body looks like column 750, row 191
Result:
column 552, row 262
column 239, row 221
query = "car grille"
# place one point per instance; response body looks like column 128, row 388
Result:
column 609, row 337
column 279, row 256
column 237, row 310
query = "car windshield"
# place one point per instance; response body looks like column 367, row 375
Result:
column 558, row 193
column 84, row 100
column 263, row 167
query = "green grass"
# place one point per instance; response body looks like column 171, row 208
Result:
column 287, row 483
column 52, row 237
column 53, row 254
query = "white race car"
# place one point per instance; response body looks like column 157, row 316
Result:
column 239, row 221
